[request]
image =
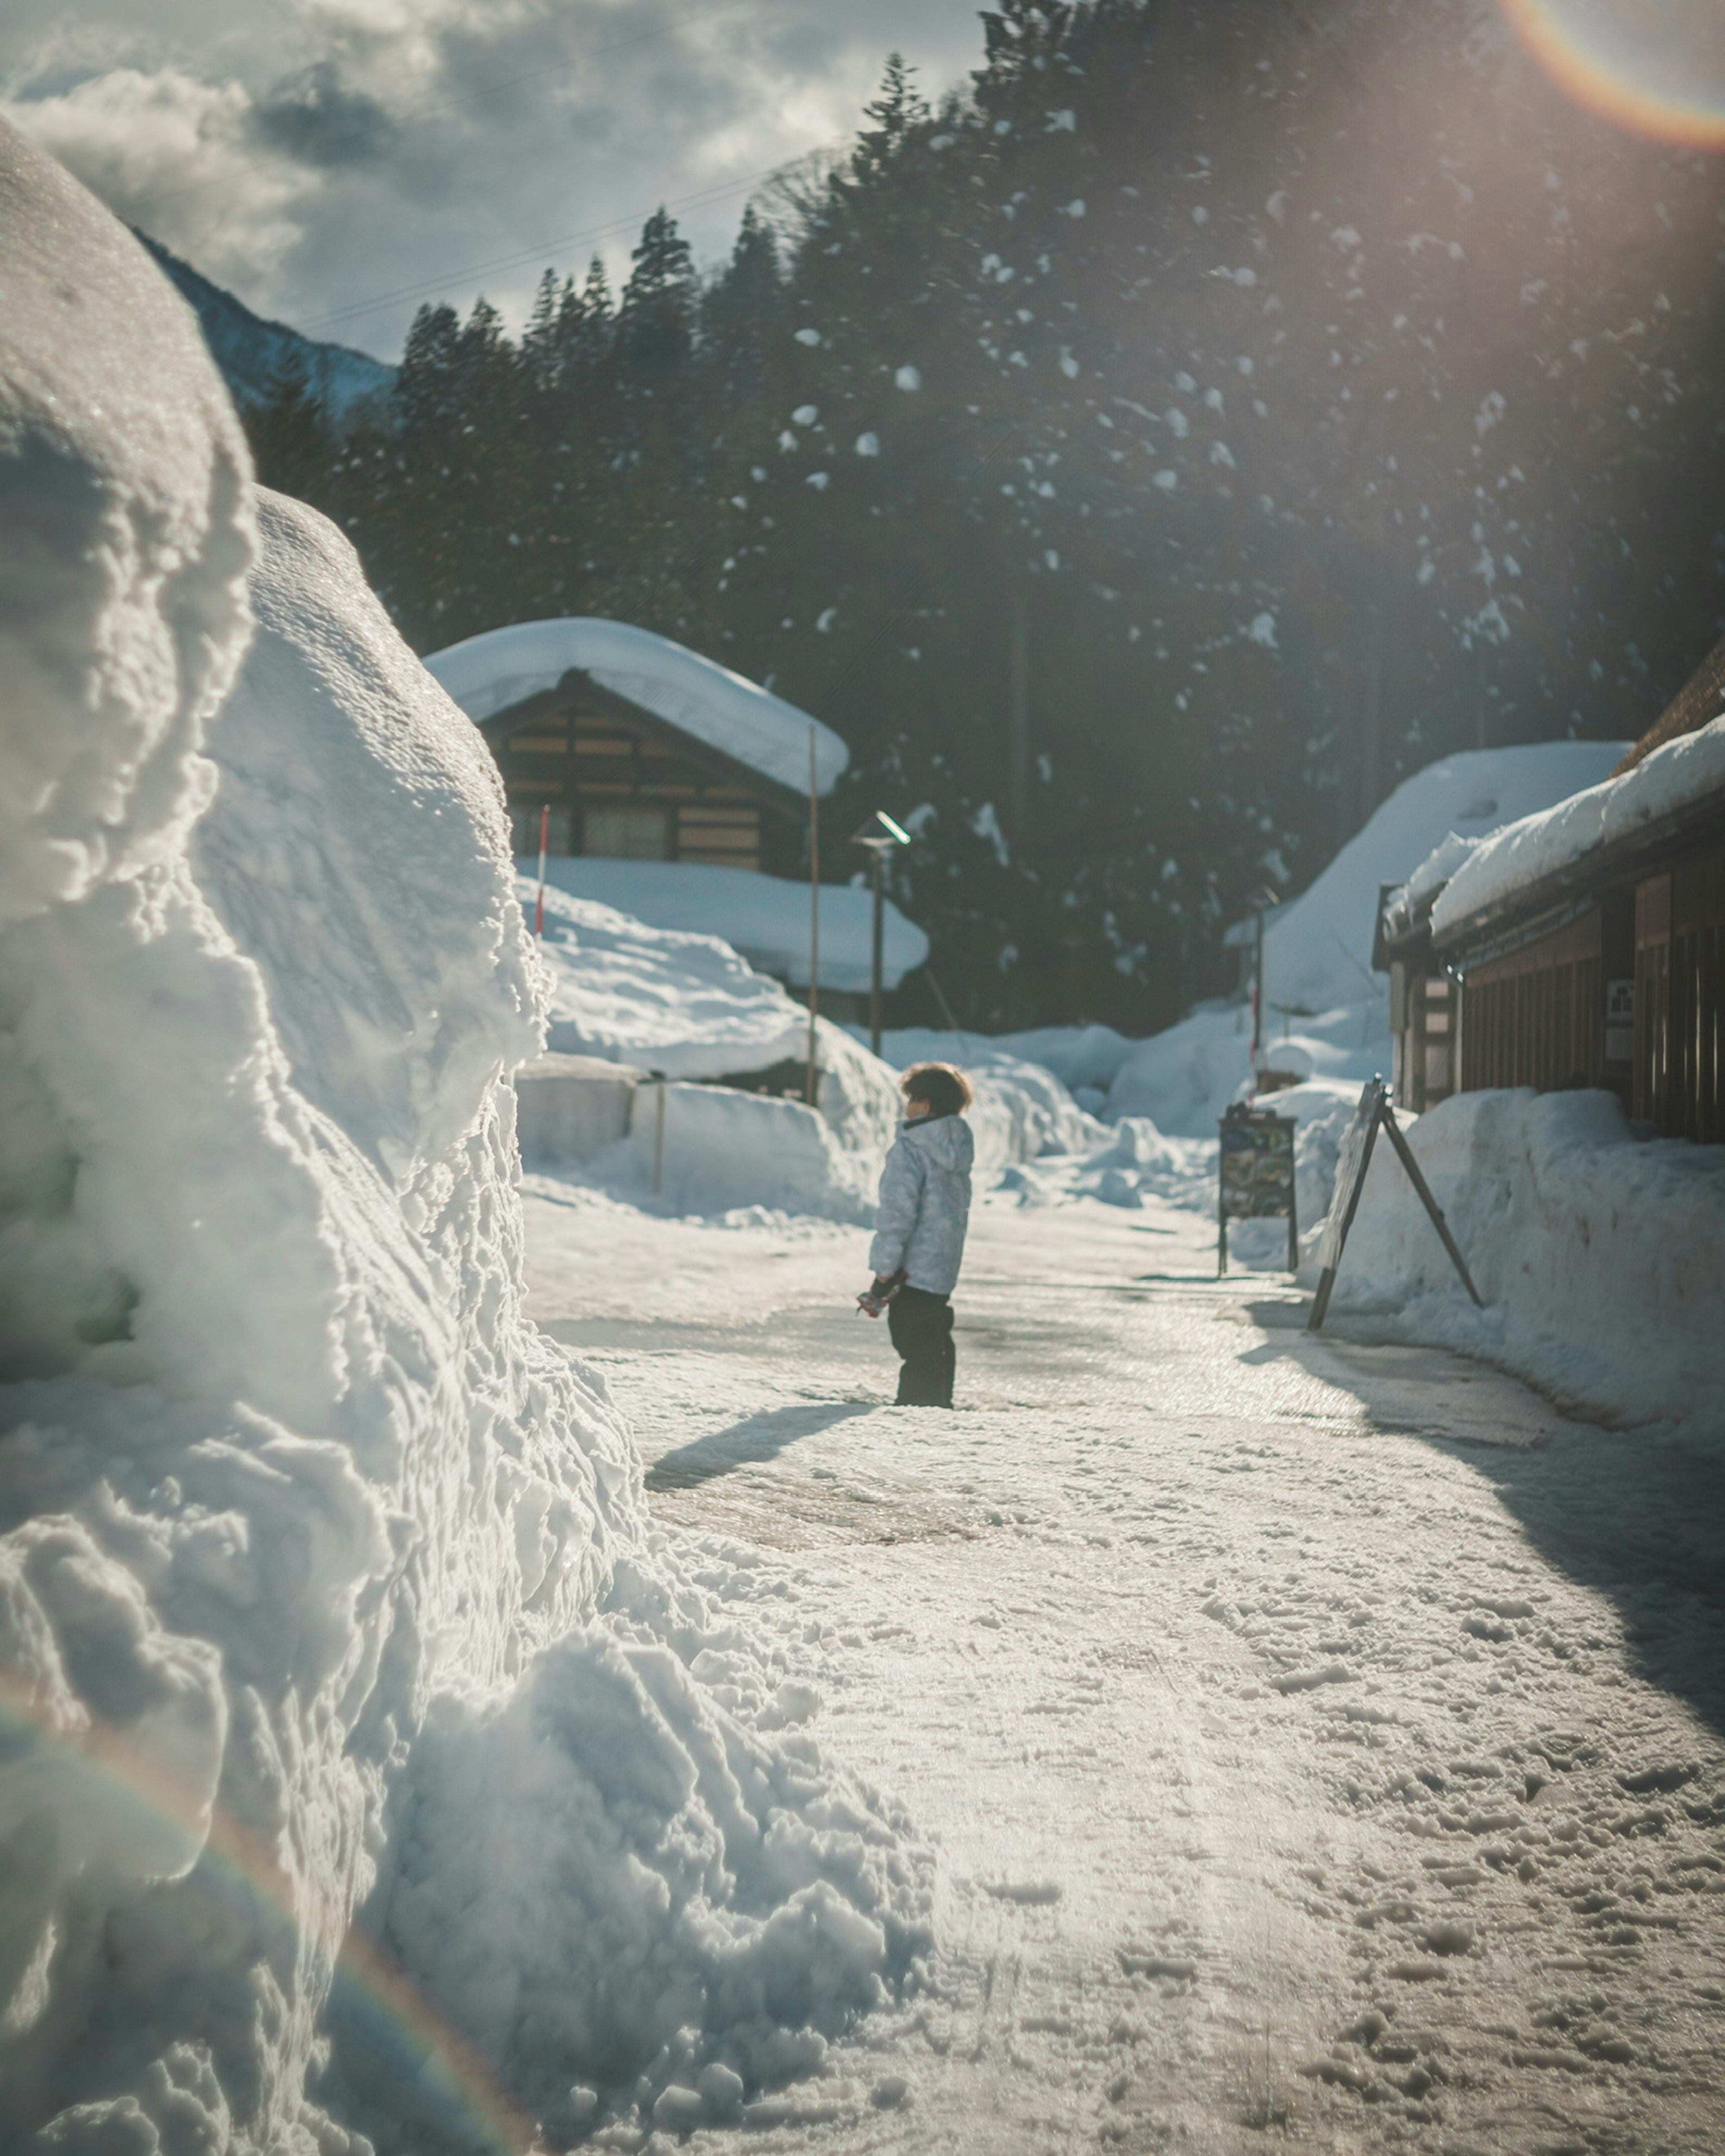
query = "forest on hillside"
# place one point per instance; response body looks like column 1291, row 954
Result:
column 1144, row 460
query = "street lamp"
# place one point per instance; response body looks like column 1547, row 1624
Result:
column 879, row 843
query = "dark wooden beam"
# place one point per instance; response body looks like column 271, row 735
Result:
column 577, row 691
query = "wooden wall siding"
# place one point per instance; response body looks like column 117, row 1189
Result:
column 1679, row 1001
column 567, row 759
column 1537, row 1016
column 1423, row 1015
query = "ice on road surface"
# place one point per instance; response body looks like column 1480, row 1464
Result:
column 1322, row 1742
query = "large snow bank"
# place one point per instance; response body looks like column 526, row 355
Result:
column 487, row 674
column 1684, row 771
column 764, row 917
column 307, row 1533
column 1600, row 1259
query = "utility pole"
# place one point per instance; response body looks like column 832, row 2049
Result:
column 1263, row 901
column 808, row 1076
column 1018, row 706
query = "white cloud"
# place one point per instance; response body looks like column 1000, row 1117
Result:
column 166, row 150
column 335, row 161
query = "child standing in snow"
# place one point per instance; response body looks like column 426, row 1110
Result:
column 919, row 1233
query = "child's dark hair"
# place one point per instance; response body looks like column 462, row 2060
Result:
column 946, row 1091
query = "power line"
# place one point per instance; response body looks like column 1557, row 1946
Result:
column 487, row 90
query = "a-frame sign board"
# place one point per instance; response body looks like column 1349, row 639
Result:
column 1374, row 1114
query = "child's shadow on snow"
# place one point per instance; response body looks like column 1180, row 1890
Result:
column 744, row 1443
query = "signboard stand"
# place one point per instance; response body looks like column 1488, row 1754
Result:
column 1255, row 1176
column 1373, row 1113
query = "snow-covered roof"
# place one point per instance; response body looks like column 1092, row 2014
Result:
column 486, row 674
column 1512, row 861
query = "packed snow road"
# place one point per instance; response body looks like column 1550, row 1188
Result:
column 1322, row 1742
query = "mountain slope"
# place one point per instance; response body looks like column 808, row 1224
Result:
column 255, row 355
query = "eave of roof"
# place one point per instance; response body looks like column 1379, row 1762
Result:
column 577, row 689
column 1615, row 860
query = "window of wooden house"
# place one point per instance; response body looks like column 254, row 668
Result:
column 624, row 832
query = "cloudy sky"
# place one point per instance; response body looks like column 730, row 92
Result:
column 336, row 161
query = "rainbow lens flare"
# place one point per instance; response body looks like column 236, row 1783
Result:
column 1655, row 66
column 424, row 2069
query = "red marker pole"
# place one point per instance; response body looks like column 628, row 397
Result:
column 544, row 846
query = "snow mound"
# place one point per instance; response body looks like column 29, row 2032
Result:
column 1085, row 1058
column 1183, row 1078
column 691, row 1006
column 123, row 507
column 1022, row 1110
column 723, row 1152
column 669, row 999
column 1600, row 1259
column 765, row 918
column 1317, row 950
column 292, row 1493
column 708, row 702
column 1684, row 771
column 710, row 1937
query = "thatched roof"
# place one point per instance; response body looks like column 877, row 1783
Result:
column 1697, row 704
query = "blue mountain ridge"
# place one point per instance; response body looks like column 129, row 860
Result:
column 253, row 355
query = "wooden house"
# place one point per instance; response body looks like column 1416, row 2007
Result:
column 1587, row 947
column 1422, row 1000
column 628, row 746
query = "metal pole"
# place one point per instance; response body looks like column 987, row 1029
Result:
column 1258, row 993
column 813, row 916
column 659, row 1141
column 544, row 844
column 880, row 853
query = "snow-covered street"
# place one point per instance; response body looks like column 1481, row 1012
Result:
column 1322, row 1742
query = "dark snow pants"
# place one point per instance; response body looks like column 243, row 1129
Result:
column 921, row 1324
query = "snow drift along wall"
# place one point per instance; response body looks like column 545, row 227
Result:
column 326, row 1586
column 1601, row 1257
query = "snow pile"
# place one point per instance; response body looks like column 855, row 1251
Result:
column 1022, row 1110
column 1326, row 1014
column 487, row 674
column 689, row 1006
column 1085, row 1058
column 300, row 1511
column 1684, row 772
column 719, row 1910
column 720, row 1152
column 1317, row 951
column 1600, row 1259
column 764, row 917
column 668, row 999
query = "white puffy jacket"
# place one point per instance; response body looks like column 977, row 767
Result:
column 924, row 1204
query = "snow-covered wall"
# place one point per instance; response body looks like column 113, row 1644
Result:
column 304, row 1531
column 1600, row 1258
